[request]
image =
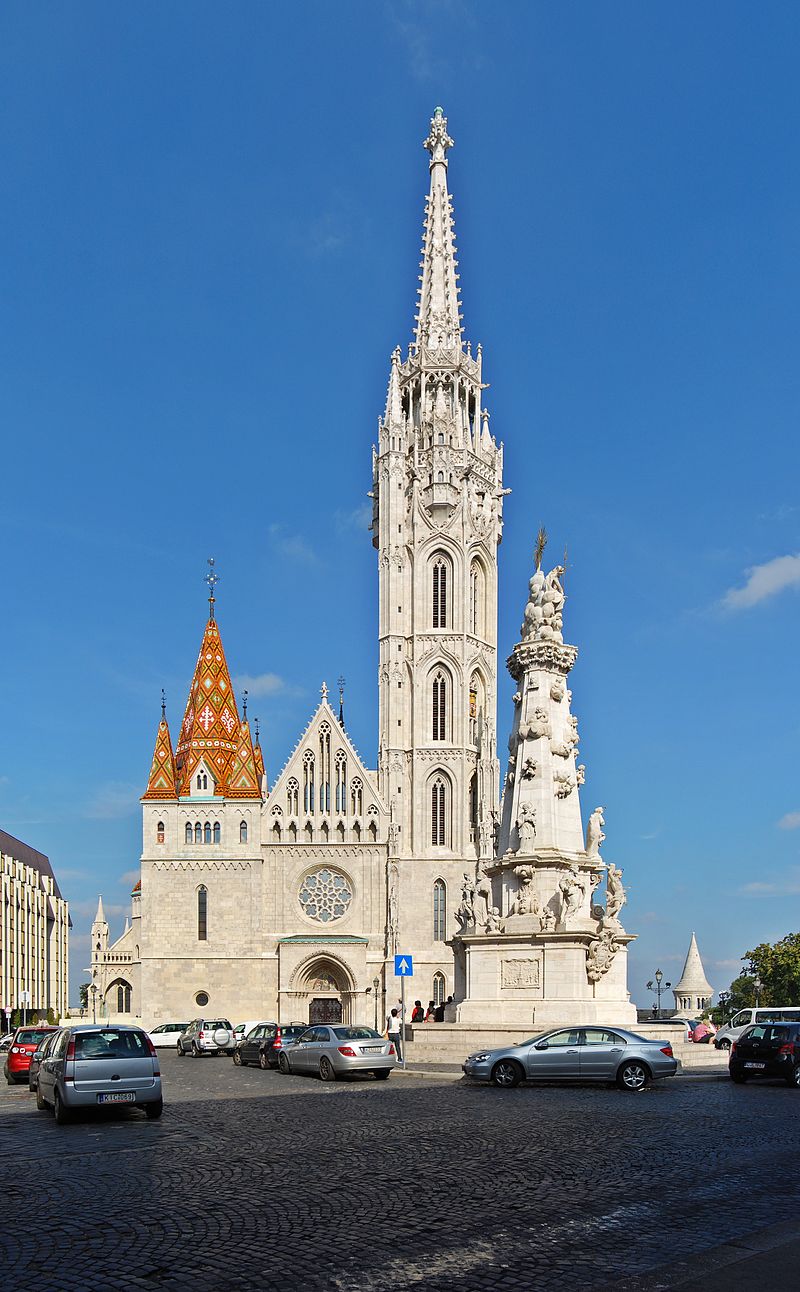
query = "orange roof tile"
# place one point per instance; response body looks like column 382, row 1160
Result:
column 161, row 782
column 243, row 778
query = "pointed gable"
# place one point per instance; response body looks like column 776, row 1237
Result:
column 243, row 777
column 260, row 769
column 161, row 782
column 210, row 728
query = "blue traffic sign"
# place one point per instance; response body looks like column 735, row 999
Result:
column 404, row 966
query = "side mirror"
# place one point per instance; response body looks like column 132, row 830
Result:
column 37, row 1054
column 543, row 1045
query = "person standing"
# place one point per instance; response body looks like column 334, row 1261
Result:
column 393, row 1030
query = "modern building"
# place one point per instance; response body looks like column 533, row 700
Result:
column 34, row 932
column 694, row 992
column 292, row 901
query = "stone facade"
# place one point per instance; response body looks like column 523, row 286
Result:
column 34, row 932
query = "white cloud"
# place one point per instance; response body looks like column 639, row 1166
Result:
column 130, row 877
column 113, row 801
column 790, row 822
column 293, row 546
column 782, row 885
column 764, row 581
column 359, row 518
column 259, row 685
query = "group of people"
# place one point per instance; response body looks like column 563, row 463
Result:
column 394, row 1023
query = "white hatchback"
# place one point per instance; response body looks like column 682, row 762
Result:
column 167, row 1033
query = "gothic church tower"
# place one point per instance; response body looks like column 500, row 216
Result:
column 437, row 521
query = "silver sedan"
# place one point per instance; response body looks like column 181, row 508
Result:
column 337, row 1050
column 576, row 1054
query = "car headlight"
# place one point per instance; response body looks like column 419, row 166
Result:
column 478, row 1058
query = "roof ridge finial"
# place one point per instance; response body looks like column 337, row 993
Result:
column 258, row 732
column 340, row 682
column 323, row 690
column 163, row 705
column 212, row 579
column 244, row 705
column 438, row 140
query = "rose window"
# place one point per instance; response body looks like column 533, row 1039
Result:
column 325, row 895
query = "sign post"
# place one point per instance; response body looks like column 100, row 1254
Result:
column 24, row 999
column 403, row 968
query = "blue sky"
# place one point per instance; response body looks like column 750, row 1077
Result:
column 210, row 225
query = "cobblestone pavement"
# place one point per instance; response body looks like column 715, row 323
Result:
column 254, row 1180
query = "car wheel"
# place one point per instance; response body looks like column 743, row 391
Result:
column 181, row 1051
column 327, row 1072
column 283, row 1064
column 794, row 1077
column 40, row 1103
column 382, row 1074
column 237, row 1058
column 633, row 1076
column 195, row 1051
column 507, row 1073
column 263, row 1061
column 10, row 1081
column 154, row 1111
column 738, row 1078
column 724, row 1045
column 61, row 1114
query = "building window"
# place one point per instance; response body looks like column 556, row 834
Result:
column 292, row 796
column 201, row 999
column 308, row 782
column 476, row 599
column 439, row 907
column 202, row 914
column 439, row 988
column 438, row 813
column 217, row 832
column 439, row 711
column 473, row 807
column 188, row 832
column 123, row 998
column 324, row 769
column 325, row 895
column 357, row 796
column 207, row 832
column 440, row 593
column 242, row 832
column 202, row 781
column 198, row 832
column 160, row 832
column 341, row 782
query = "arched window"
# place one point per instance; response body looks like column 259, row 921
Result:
column 476, row 599
column 207, row 832
column 242, row 832
column 440, row 592
column 202, row 914
column 324, row 768
column 438, row 812
column 439, row 988
column 217, row 832
column 439, row 706
column 308, row 782
column 198, row 832
column 357, row 796
column 473, row 807
column 292, row 797
column 440, row 478
column 477, row 706
column 188, row 832
column 202, row 781
column 160, row 832
column 439, row 908
column 123, row 998
column 341, row 781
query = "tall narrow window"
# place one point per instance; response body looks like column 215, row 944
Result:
column 438, row 809
column 202, row 781
column 160, row 832
column 202, row 914
column 341, row 782
column 242, row 832
column 207, row 832
column 308, row 782
column 440, row 593
column 439, row 988
column 292, row 796
column 439, row 906
column 123, row 998
column 473, row 807
column 217, row 832
column 188, row 832
column 324, row 768
column 476, row 597
column 439, row 711
column 357, row 796
column 198, row 832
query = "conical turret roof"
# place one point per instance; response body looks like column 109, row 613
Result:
column 693, row 979
column 161, row 782
column 244, row 781
column 210, row 731
column 438, row 323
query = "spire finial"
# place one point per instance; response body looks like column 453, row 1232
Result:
column 244, row 705
column 258, row 733
column 163, row 705
column 438, row 140
column 340, row 681
column 212, row 579
column 323, row 690
column 541, row 544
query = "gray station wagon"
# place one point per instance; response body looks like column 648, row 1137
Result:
column 97, row 1065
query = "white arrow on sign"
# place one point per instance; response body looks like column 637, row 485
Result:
column 403, row 965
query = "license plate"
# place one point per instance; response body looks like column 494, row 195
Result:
column 372, row 1049
column 121, row 1098
column 755, row 1065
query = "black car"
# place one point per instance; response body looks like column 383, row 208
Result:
column 767, row 1050
column 264, row 1043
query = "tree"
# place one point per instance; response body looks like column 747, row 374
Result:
column 83, row 995
column 778, row 969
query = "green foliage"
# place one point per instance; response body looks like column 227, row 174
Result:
column 51, row 1016
column 83, row 995
column 16, row 1019
column 778, row 969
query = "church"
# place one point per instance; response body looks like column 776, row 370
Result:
column 290, row 900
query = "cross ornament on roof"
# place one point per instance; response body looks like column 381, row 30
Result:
column 212, row 579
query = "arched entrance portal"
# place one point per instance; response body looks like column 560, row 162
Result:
column 325, row 990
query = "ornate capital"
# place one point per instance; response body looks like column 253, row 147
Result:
column 552, row 656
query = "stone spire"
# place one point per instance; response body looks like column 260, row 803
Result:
column 694, row 991
column 161, row 781
column 100, row 917
column 438, row 323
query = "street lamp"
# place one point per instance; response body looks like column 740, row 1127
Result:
column 758, row 987
column 657, row 988
column 376, row 982
column 724, row 997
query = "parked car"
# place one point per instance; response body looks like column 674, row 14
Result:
column 99, row 1065
column 337, row 1050
column 270, row 1048
column 767, row 1050
column 247, row 1047
column 5, row 1042
column 206, row 1036
column 576, row 1054
column 42, row 1050
column 23, row 1044
column 745, row 1017
column 242, row 1030
column 167, row 1033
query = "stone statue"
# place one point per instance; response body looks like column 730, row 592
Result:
column 524, row 902
column 544, row 610
column 495, row 815
column 594, row 832
column 465, row 913
column 572, row 887
column 493, row 922
column 580, row 773
column 600, row 955
column 596, row 911
column 528, row 769
column 526, row 827
column 557, row 690
column 392, row 922
column 548, row 919
column 482, row 896
column 564, row 783
column 615, row 893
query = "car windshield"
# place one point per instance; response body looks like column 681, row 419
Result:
column 31, row 1036
column 356, row 1033
column 110, row 1043
column 220, row 1022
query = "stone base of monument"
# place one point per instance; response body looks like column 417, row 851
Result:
column 519, row 979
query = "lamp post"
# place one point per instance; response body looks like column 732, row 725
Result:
column 657, row 988
column 758, row 987
column 376, row 982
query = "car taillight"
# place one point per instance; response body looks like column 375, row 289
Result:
column 277, row 1044
column 70, row 1056
column 150, row 1046
column 391, row 1047
column 733, row 1047
column 348, row 1051
column 667, row 1049
column 71, row 1049
column 787, row 1049
column 15, row 1049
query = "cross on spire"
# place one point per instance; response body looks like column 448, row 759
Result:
column 244, row 705
column 212, row 579
column 340, row 681
column 163, row 704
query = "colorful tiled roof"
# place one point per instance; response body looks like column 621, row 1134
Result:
column 161, row 782
column 243, row 777
column 259, row 757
